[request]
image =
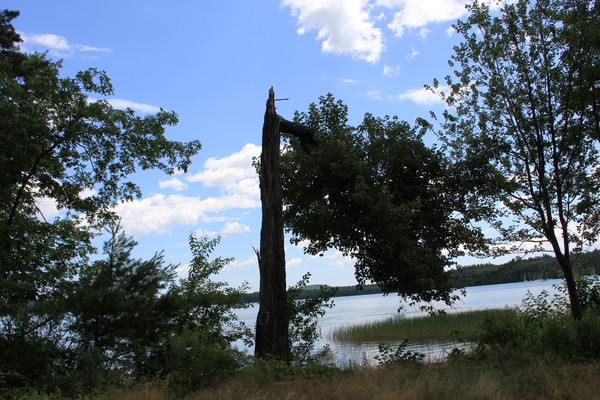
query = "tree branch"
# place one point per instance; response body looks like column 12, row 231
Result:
column 306, row 134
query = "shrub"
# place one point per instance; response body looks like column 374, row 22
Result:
column 194, row 362
column 390, row 356
column 503, row 329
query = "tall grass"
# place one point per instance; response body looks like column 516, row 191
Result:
column 514, row 376
column 438, row 327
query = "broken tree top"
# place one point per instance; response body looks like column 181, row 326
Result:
column 304, row 133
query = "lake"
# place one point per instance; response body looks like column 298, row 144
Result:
column 357, row 310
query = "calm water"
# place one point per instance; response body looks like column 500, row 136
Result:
column 357, row 310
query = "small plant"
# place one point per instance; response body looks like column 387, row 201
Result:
column 303, row 326
column 390, row 356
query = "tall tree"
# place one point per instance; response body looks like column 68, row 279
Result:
column 61, row 143
column 119, row 308
column 379, row 195
column 522, row 119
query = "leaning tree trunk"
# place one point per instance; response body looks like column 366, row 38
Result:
column 272, row 339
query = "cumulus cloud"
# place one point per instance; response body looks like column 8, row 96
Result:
column 56, row 44
column 416, row 14
column 229, row 171
column 234, row 228
column 174, row 184
column 420, row 96
column 237, row 184
column 354, row 27
column 344, row 27
column 159, row 213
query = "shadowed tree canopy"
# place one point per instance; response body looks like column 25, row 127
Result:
column 378, row 194
column 523, row 122
column 63, row 147
column 62, row 143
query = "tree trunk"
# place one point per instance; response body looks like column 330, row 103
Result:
column 564, row 260
column 272, row 322
column 574, row 299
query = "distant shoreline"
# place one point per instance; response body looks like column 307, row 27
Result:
column 543, row 267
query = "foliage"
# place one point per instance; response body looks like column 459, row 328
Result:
column 303, row 322
column 390, row 356
column 379, row 195
column 209, row 305
column 522, row 124
column 543, row 324
column 62, row 147
column 193, row 362
column 205, row 327
column 118, row 307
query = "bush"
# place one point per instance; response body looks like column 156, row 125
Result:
column 388, row 356
column 543, row 324
column 587, row 335
column 502, row 329
column 194, row 362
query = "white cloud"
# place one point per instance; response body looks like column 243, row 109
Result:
column 47, row 208
column 389, row 70
column 293, row 262
column 420, row 96
column 140, row 107
column 423, row 32
column 159, row 213
column 234, row 175
column 234, row 228
column 415, row 14
column 337, row 259
column 344, row 27
column 413, row 53
column 174, row 184
column 248, row 262
column 237, row 183
column 375, row 94
column 57, row 45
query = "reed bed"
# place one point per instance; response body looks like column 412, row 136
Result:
column 458, row 325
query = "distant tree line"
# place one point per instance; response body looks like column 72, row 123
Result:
column 543, row 267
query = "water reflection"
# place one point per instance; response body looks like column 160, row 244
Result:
column 358, row 310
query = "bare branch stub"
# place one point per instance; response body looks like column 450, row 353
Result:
column 306, row 134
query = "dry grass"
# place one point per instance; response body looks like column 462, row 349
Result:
column 506, row 379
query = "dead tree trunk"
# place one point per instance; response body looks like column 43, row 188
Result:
column 272, row 339
column 272, row 322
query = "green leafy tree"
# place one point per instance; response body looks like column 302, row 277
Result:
column 522, row 121
column 60, row 142
column 206, row 326
column 380, row 195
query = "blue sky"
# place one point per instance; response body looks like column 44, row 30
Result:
column 213, row 62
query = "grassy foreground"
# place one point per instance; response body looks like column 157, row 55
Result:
column 515, row 376
column 437, row 327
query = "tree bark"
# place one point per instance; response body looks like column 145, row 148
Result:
column 272, row 339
